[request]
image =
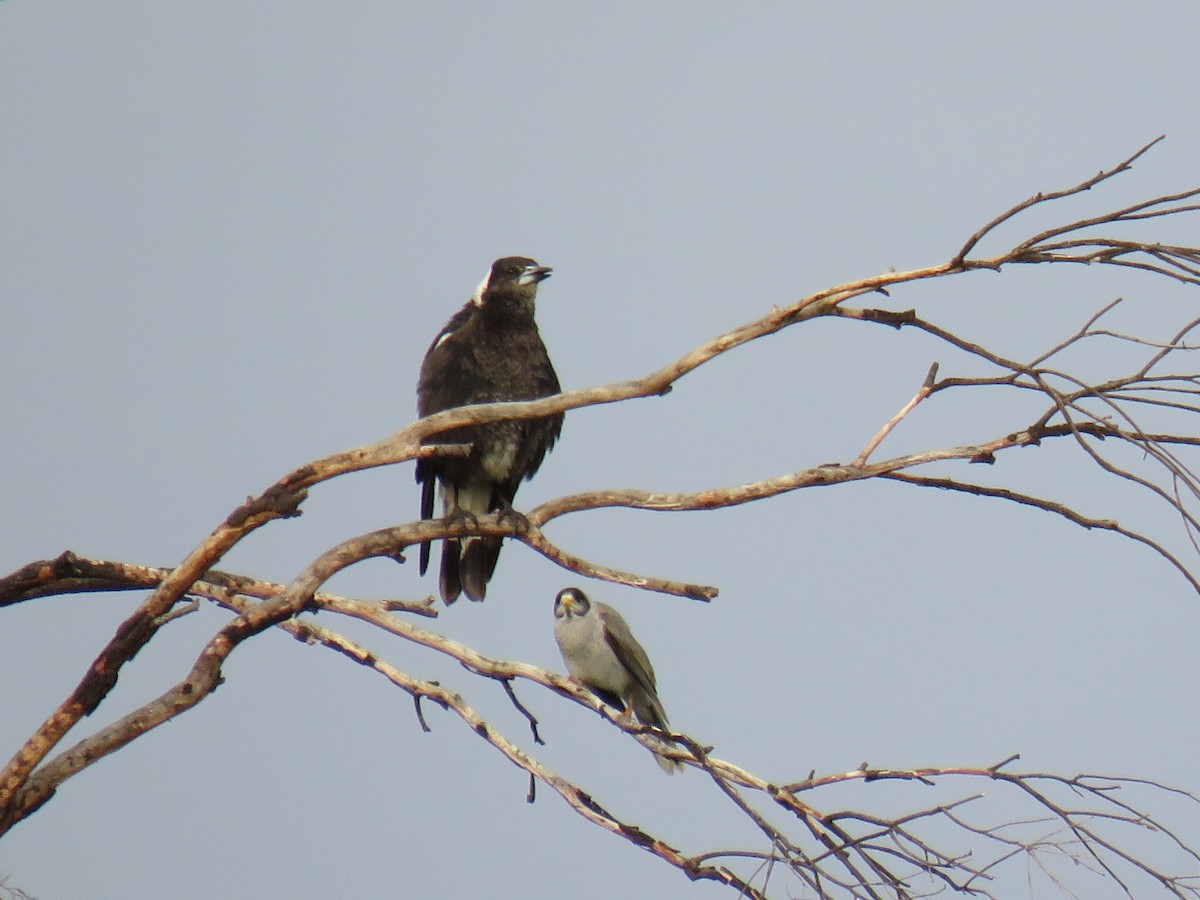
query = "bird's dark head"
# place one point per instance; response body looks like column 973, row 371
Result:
column 511, row 282
column 571, row 603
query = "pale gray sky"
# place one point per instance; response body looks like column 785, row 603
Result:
column 228, row 232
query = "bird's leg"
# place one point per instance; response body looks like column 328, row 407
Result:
column 506, row 513
column 460, row 517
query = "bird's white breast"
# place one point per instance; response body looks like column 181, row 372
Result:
column 587, row 654
column 500, row 462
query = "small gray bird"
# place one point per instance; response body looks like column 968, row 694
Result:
column 602, row 654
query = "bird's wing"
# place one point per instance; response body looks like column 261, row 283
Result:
column 427, row 490
column 439, row 385
column 628, row 651
column 540, row 434
column 434, row 396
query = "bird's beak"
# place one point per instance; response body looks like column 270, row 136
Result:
column 534, row 274
column 568, row 604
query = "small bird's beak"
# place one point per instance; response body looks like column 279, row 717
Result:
column 534, row 274
column 568, row 604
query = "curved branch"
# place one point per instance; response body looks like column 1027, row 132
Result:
column 979, row 490
column 849, row 852
column 1086, row 185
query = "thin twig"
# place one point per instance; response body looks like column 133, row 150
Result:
column 925, row 391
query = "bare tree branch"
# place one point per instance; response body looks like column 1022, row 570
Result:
column 1149, row 418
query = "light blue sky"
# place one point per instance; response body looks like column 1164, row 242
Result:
column 228, row 232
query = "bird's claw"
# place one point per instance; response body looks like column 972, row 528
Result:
column 508, row 515
column 461, row 518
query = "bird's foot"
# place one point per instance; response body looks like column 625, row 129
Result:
column 461, row 518
column 509, row 516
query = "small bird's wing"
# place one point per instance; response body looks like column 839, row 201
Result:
column 646, row 705
column 628, row 651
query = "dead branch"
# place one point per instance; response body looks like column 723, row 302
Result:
column 842, row 853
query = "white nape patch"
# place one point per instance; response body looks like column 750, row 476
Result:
column 442, row 338
column 477, row 297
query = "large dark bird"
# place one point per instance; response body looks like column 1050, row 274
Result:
column 490, row 350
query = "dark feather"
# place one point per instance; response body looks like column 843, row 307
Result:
column 427, row 490
column 448, row 581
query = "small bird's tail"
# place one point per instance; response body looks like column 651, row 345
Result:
column 668, row 765
column 649, row 711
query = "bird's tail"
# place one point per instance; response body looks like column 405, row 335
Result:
column 449, row 583
column 476, row 564
column 467, row 563
column 428, row 481
column 668, row 765
column 649, row 711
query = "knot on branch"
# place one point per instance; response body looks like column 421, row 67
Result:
column 29, row 578
column 102, row 675
column 280, row 501
column 895, row 318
